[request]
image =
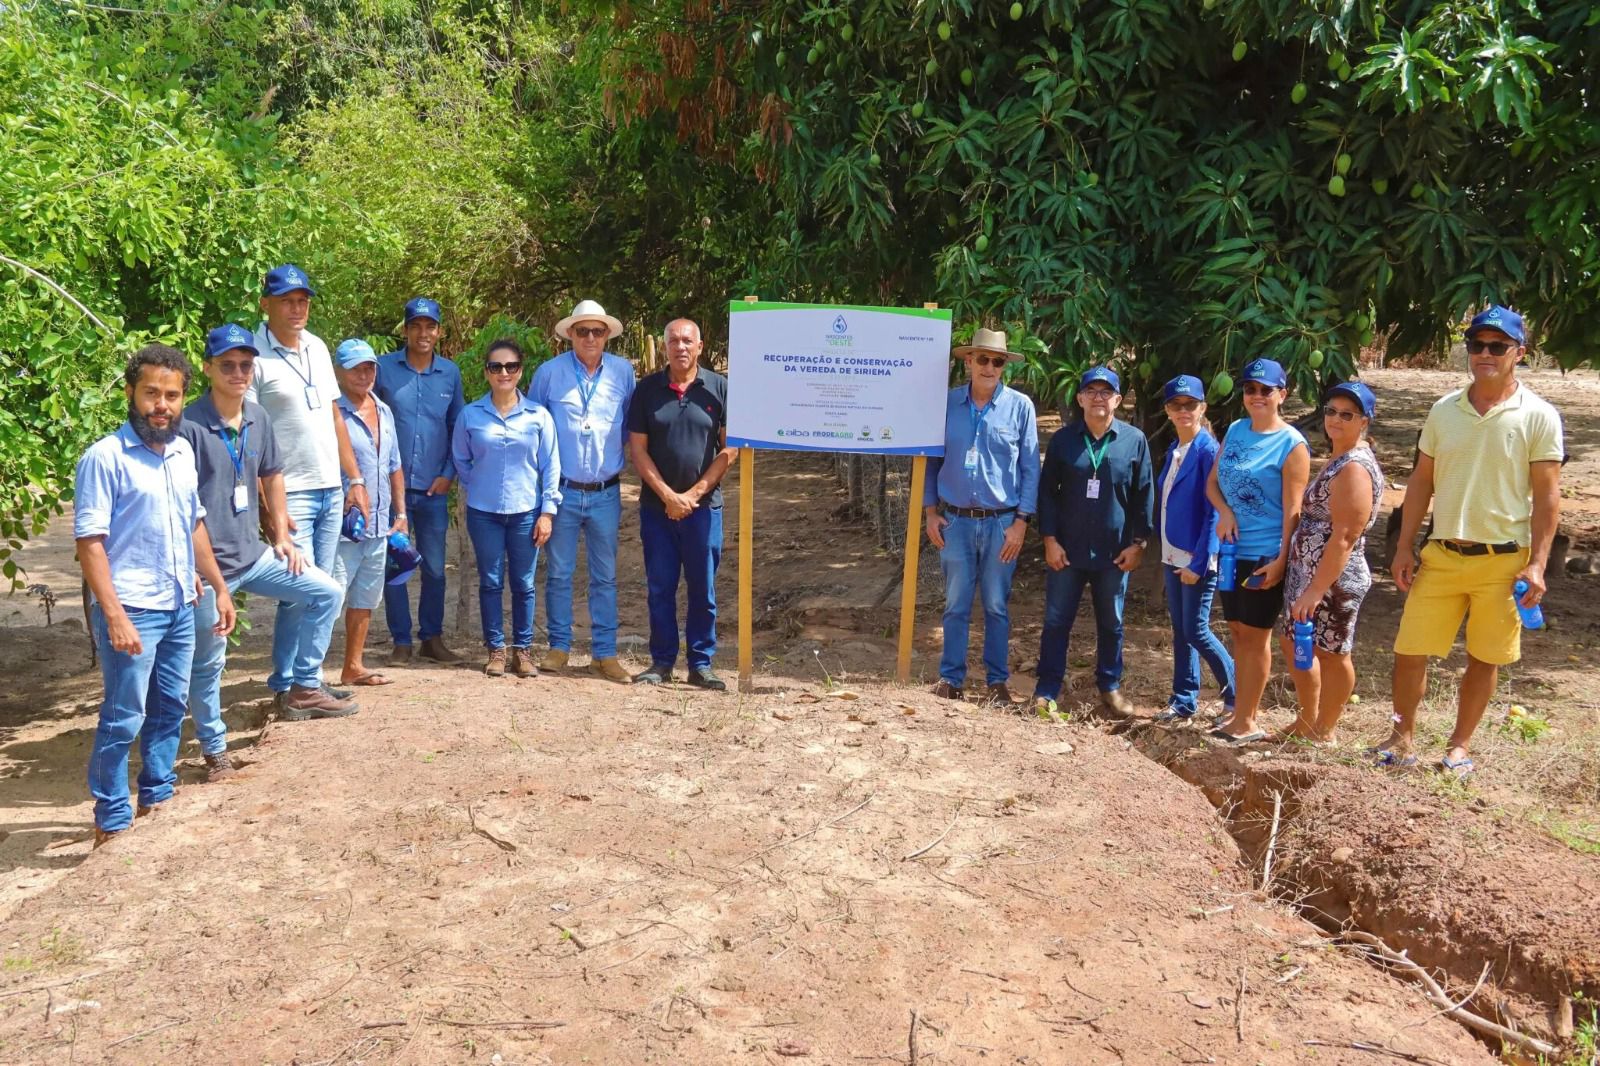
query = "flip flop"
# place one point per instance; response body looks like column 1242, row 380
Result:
column 1248, row 738
column 1460, row 769
column 1385, row 759
column 370, row 679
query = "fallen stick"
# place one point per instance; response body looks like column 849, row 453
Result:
column 936, row 840
column 810, row 832
column 1272, row 842
column 1238, row 1008
column 526, row 1024
column 52, row 984
column 390, row 1024
column 1375, row 1049
column 146, row 1032
column 1375, row 946
column 911, row 1041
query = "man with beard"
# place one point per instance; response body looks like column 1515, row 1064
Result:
column 141, row 534
column 236, row 456
column 424, row 392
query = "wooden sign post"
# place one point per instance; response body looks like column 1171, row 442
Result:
column 747, row 549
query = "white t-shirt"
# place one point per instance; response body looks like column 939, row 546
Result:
column 298, row 390
column 1174, row 557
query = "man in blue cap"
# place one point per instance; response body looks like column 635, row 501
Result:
column 236, row 457
column 294, row 383
column 1489, row 460
column 423, row 389
column 977, row 504
column 1095, row 503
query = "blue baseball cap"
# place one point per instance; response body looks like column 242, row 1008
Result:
column 227, row 338
column 286, row 278
column 1100, row 373
column 1266, row 372
column 400, row 560
column 422, row 307
column 1357, row 391
column 354, row 352
column 1503, row 319
column 1185, row 385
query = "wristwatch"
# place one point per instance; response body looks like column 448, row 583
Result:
column 353, row 482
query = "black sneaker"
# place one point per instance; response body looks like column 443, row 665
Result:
column 707, row 680
column 657, row 673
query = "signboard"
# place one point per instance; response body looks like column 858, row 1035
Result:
column 831, row 378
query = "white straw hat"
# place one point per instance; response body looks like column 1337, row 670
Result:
column 987, row 340
column 588, row 311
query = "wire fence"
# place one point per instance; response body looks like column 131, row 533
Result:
column 879, row 488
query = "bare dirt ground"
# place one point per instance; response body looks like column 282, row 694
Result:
column 561, row 870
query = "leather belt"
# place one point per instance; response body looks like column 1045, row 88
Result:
column 1464, row 547
column 589, row 486
column 975, row 512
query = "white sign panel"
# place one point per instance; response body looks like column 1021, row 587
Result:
column 831, row 378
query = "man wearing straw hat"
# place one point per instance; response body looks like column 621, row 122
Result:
column 978, row 500
column 586, row 391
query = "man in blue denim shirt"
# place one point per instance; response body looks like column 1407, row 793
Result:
column 978, row 500
column 140, row 531
column 423, row 389
column 587, row 392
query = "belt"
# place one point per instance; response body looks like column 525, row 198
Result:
column 975, row 512
column 589, row 486
column 1462, row 547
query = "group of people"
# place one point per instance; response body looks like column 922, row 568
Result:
column 297, row 475
column 1242, row 519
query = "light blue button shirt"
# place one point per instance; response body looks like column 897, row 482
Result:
column 589, row 424
column 508, row 464
column 1007, row 437
column 426, row 405
column 146, row 506
column 376, row 459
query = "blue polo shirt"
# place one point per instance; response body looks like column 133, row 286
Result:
column 1093, row 532
column 425, row 405
column 146, row 506
column 508, row 464
column 1007, row 438
column 376, row 458
column 590, row 412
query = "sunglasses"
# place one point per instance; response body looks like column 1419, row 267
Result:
column 1496, row 348
column 503, row 368
column 231, row 369
column 1255, row 388
column 989, row 360
column 589, row 331
column 1344, row 416
column 1183, row 405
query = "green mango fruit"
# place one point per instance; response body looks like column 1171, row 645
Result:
column 1380, row 186
column 1240, row 50
column 846, row 32
column 1298, row 93
column 966, row 76
column 1016, row 12
column 1417, row 190
column 944, row 31
column 981, row 245
column 1336, row 185
column 1315, row 360
column 930, row 68
column 1342, row 163
column 1222, row 384
column 917, row 109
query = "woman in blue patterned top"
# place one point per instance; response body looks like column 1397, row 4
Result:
column 1256, row 488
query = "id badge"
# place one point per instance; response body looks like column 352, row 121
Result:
column 1092, row 489
column 972, row 458
column 241, row 499
column 587, row 426
column 313, row 398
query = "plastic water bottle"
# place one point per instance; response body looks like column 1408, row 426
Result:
column 1227, row 563
column 1304, row 655
column 1532, row 617
column 399, row 541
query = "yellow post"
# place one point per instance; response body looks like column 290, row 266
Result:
column 908, row 578
column 747, row 551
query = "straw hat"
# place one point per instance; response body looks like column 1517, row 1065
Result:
column 588, row 311
column 992, row 341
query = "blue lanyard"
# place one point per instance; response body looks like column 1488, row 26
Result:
column 593, row 384
column 977, row 416
column 236, row 456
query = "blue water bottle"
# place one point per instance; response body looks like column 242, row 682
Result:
column 1227, row 564
column 1532, row 617
column 1304, row 655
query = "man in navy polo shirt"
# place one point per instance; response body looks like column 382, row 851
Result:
column 423, row 389
column 236, row 457
column 677, row 435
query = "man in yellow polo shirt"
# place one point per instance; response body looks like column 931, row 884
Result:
column 1490, row 460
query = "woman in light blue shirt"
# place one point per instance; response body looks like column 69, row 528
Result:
column 505, row 455
column 1256, row 487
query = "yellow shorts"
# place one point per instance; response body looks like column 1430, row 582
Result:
column 1450, row 586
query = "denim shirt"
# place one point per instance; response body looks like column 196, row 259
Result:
column 146, row 506
column 1094, row 531
column 426, row 405
column 1007, row 438
column 508, row 463
column 596, row 453
column 376, row 459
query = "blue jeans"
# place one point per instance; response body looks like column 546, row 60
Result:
column 971, row 562
column 315, row 591
column 429, row 519
column 499, row 540
column 597, row 515
column 1063, row 590
column 296, row 638
column 693, row 546
column 1189, row 606
column 144, row 698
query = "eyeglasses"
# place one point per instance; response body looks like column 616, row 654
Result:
column 1255, row 388
column 1098, row 394
column 589, row 331
column 989, row 360
column 503, row 368
column 1183, row 405
column 1496, row 348
column 233, row 369
column 1344, row 416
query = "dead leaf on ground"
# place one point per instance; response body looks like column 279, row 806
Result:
column 1058, row 748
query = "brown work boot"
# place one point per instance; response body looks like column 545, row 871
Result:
column 946, row 691
column 433, row 648
column 496, row 666
column 220, row 767
column 555, row 661
column 305, row 703
column 611, row 670
column 1115, row 702
column 403, row 655
column 998, row 693
column 521, row 663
